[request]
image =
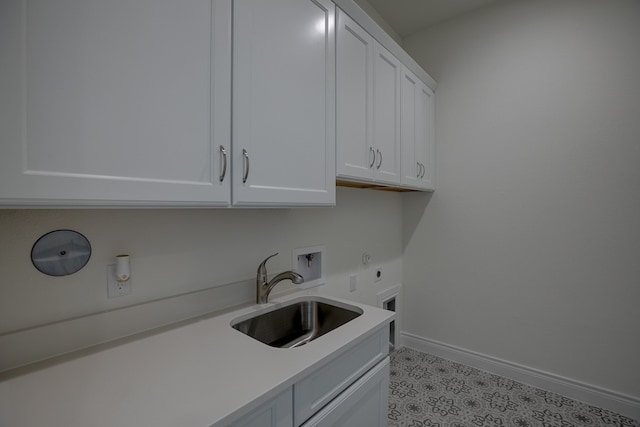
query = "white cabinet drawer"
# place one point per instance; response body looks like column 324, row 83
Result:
column 364, row 404
column 315, row 391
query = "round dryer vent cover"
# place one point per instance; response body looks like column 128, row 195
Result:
column 61, row 252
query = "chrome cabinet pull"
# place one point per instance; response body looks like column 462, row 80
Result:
column 374, row 156
column 223, row 157
column 245, row 156
column 423, row 170
column 380, row 161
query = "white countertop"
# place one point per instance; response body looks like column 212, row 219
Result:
column 203, row 373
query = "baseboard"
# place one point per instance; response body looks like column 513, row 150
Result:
column 587, row 393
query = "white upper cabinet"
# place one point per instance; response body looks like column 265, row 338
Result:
column 385, row 108
column 386, row 115
column 283, row 102
column 417, row 132
column 354, row 86
column 368, row 107
column 115, row 102
column 129, row 103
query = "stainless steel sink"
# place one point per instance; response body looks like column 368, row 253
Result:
column 296, row 323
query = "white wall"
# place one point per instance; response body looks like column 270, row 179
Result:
column 178, row 251
column 529, row 251
column 373, row 14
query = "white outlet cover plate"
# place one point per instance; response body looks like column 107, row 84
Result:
column 114, row 288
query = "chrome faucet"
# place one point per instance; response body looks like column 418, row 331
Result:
column 263, row 288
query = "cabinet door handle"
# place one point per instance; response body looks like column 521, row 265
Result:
column 374, row 156
column 419, row 169
column 379, row 161
column 223, row 157
column 423, row 170
column 245, row 156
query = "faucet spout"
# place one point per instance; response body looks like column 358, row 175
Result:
column 286, row 275
column 264, row 287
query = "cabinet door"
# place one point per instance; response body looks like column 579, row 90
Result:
column 416, row 132
column 425, row 136
column 114, row 102
column 411, row 150
column 354, row 86
column 386, row 115
column 278, row 412
column 364, row 404
column 283, row 102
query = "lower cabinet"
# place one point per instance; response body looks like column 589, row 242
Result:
column 322, row 386
column 364, row 404
column 351, row 390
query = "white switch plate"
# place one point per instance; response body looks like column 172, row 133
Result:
column 353, row 279
column 115, row 288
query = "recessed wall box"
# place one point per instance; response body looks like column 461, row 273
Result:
column 390, row 299
column 309, row 263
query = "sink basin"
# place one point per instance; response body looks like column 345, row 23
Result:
column 297, row 323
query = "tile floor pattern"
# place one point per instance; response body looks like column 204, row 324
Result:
column 428, row 391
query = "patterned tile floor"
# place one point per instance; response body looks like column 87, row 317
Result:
column 428, row 391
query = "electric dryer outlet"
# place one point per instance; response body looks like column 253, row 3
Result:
column 378, row 274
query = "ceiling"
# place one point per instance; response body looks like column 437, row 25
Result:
column 409, row 16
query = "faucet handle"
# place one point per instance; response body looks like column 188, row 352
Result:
column 262, row 268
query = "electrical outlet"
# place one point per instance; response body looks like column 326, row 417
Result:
column 115, row 288
column 378, row 274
